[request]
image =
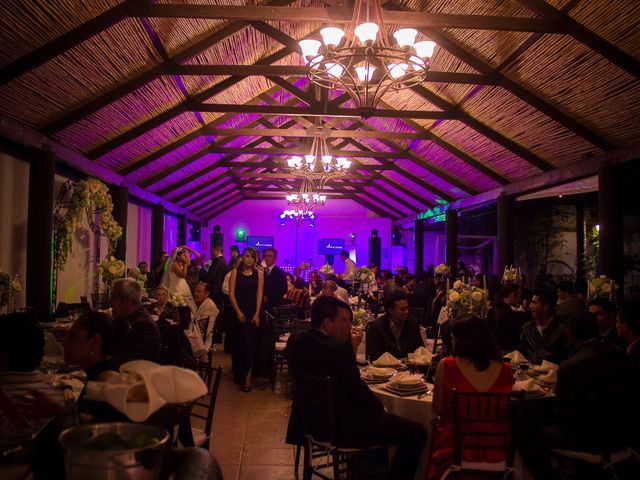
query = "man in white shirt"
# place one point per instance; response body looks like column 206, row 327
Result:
column 349, row 266
column 206, row 308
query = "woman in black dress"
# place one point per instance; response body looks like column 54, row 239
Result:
column 245, row 293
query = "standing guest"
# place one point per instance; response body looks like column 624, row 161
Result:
column 275, row 279
column 544, row 337
column 606, row 314
column 628, row 327
column 158, row 268
column 299, row 296
column 193, row 274
column 246, row 286
column 90, row 344
column 394, row 332
column 327, row 350
column 568, row 303
column 138, row 337
column 163, row 308
column 233, row 253
column 216, row 274
column 174, row 278
column 504, row 322
column 206, row 309
column 143, row 267
column 349, row 266
column 475, row 367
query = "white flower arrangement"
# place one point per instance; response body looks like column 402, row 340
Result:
column 465, row 299
column 602, row 287
column 111, row 268
column 177, row 300
column 326, row 269
column 88, row 195
column 442, row 269
column 304, row 266
column 511, row 275
column 360, row 317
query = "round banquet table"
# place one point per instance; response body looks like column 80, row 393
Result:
column 412, row 408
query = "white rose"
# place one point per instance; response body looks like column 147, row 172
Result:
column 457, row 284
column 454, row 296
column 603, row 276
column 606, row 287
column 112, row 269
column 476, row 296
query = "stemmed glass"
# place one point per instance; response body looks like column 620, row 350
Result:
column 50, row 366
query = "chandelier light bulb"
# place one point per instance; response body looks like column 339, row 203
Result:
column 310, row 159
column 425, row 49
column 346, row 163
column 418, row 61
column 406, row 37
column 335, row 69
column 365, row 73
column 397, row 70
column 309, row 48
column 326, row 159
column 316, row 61
column 366, row 32
column 331, row 36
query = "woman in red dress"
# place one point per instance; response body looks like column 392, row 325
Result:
column 475, row 367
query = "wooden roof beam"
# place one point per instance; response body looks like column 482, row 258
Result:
column 374, row 208
column 312, row 132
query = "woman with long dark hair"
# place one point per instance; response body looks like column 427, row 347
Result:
column 475, row 367
column 246, row 286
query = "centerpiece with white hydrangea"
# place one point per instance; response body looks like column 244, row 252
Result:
column 465, row 299
column 602, row 287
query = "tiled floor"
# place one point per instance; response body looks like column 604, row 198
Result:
column 249, row 429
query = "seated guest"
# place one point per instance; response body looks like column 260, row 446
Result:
column 326, row 351
column 395, row 331
column 340, row 293
column 315, row 285
column 596, row 393
column 606, row 314
column 475, row 367
column 30, row 402
column 299, row 296
column 568, row 303
column 504, row 323
column 163, row 308
column 206, row 308
column 90, row 344
column 331, row 289
column 544, row 337
column 628, row 327
column 138, row 335
column 409, row 285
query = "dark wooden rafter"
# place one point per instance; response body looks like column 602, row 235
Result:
column 581, row 33
column 222, row 206
column 303, row 151
column 311, row 132
column 374, row 208
column 335, row 15
column 394, row 197
column 57, row 46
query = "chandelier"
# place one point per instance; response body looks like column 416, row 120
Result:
column 318, row 166
column 363, row 62
column 298, row 216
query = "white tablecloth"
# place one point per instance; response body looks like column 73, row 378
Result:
column 412, row 408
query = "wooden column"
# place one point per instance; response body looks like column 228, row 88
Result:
column 610, row 218
column 157, row 231
column 40, row 234
column 182, row 229
column 120, row 197
column 505, row 232
column 580, row 236
column 418, row 243
column 451, row 233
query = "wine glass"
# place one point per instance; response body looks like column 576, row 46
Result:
column 50, row 366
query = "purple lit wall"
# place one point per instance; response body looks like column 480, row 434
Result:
column 138, row 234
column 170, row 240
column 337, row 219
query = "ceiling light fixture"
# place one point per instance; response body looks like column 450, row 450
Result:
column 363, row 62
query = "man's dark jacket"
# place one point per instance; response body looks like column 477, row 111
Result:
column 275, row 286
column 138, row 338
column 553, row 345
column 314, row 353
column 215, row 278
column 381, row 340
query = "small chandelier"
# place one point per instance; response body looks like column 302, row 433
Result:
column 363, row 62
column 298, row 216
column 318, row 166
column 306, row 200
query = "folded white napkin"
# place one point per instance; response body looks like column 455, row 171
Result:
column 516, row 357
column 386, row 359
column 545, row 365
column 405, row 378
column 443, row 316
column 144, row 387
column 380, row 372
column 550, row 377
column 528, row 385
column 421, row 356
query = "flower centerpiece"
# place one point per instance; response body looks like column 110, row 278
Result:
column 465, row 299
column 602, row 287
column 367, row 281
column 442, row 269
column 110, row 269
column 511, row 274
column 360, row 317
column 177, row 300
column 304, row 266
column 326, row 269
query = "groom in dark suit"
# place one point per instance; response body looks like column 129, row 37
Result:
column 275, row 279
column 326, row 351
column 215, row 276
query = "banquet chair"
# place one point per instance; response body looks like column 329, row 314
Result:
column 204, row 408
column 418, row 313
column 313, row 398
column 283, row 317
column 483, row 442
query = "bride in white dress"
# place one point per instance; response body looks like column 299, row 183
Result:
column 174, row 278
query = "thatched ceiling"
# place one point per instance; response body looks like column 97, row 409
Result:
column 198, row 101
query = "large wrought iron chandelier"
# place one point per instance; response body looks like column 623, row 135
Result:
column 363, row 62
column 318, row 166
